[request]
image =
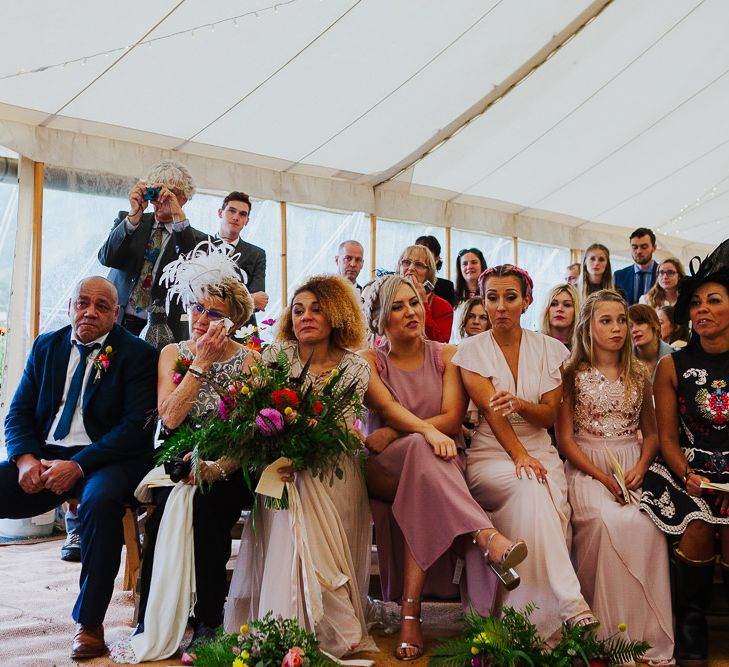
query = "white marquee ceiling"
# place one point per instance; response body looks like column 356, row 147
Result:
column 624, row 125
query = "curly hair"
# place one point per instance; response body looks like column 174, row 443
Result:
column 173, row 175
column 586, row 287
column 583, row 351
column 338, row 304
column 378, row 305
column 236, row 297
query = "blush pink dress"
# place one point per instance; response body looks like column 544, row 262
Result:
column 523, row 508
column 433, row 510
column 620, row 554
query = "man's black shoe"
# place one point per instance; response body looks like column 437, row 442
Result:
column 71, row 549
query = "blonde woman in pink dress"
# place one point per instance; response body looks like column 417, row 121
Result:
column 621, row 556
column 514, row 378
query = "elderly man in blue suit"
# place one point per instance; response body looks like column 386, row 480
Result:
column 637, row 279
column 81, row 425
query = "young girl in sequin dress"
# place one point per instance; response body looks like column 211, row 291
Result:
column 621, row 557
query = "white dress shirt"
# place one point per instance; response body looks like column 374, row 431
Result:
column 77, row 435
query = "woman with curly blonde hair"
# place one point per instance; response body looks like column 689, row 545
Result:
column 311, row 562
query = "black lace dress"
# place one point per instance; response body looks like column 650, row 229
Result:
column 703, row 404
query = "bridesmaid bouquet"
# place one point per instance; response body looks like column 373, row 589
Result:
column 267, row 415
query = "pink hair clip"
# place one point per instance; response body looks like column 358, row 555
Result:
column 510, row 268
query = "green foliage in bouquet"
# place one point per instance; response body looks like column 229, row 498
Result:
column 268, row 642
column 267, row 414
column 512, row 641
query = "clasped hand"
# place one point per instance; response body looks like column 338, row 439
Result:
column 55, row 475
column 720, row 499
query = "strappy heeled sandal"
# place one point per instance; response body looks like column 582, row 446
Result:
column 404, row 646
column 504, row 567
column 586, row 620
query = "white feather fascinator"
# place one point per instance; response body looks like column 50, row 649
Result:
column 207, row 264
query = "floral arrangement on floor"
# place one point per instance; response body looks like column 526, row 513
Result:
column 512, row 641
column 268, row 414
column 268, row 642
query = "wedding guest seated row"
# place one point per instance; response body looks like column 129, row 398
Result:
column 416, row 462
column 79, row 426
column 208, row 284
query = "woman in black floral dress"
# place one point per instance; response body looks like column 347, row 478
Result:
column 692, row 409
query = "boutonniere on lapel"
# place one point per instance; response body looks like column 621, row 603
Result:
column 103, row 361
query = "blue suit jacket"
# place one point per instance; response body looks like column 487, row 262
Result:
column 624, row 280
column 118, row 408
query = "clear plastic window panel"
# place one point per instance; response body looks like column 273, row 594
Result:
column 313, row 238
column 546, row 265
column 393, row 237
column 496, row 249
column 8, row 225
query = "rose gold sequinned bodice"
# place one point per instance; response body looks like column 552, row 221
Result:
column 601, row 407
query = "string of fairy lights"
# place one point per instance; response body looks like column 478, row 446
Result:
column 230, row 22
column 711, row 193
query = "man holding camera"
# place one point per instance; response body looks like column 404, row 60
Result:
column 141, row 244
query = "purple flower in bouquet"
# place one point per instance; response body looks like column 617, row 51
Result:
column 226, row 405
column 269, row 421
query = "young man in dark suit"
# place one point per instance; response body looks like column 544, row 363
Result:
column 80, row 425
column 234, row 216
column 141, row 244
column 636, row 280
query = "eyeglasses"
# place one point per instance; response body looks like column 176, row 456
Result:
column 407, row 263
column 213, row 315
column 667, row 272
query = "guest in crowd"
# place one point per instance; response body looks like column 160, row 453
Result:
column 443, row 287
column 634, row 281
column 676, row 335
column 572, row 274
column 417, row 462
column 692, row 408
column 596, row 271
column 79, row 427
column 558, row 320
column 141, row 244
column 620, row 555
column 208, row 283
column 514, row 377
column 350, row 262
column 276, row 562
column 417, row 264
column 645, row 332
column 474, row 319
column 471, row 264
column 234, row 215
column 665, row 290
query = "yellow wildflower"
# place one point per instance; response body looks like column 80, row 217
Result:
column 244, row 629
column 474, row 650
column 335, row 373
column 622, row 627
column 245, row 390
column 238, row 663
column 255, row 370
column 245, row 655
column 288, row 410
column 108, row 349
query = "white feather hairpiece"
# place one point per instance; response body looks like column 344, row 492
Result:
column 189, row 276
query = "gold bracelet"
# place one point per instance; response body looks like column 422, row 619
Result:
column 221, row 470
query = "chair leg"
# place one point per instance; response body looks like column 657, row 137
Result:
column 131, row 541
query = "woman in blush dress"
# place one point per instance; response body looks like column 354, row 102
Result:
column 311, row 561
column 422, row 509
column 514, row 378
column 607, row 398
column 692, row 408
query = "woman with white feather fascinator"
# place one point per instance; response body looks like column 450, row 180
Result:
column 188, row 536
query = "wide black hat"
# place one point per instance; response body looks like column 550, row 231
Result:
column 714, row 268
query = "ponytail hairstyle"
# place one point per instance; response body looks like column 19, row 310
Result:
column 378, row 307
column 583, row 352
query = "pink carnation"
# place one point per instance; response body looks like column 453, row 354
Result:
column 269, row 421
column 294, row 658
column 105, row 363
column 177, row 378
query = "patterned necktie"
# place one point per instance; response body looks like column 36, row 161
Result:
column 140, row 297
column 74, row 391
